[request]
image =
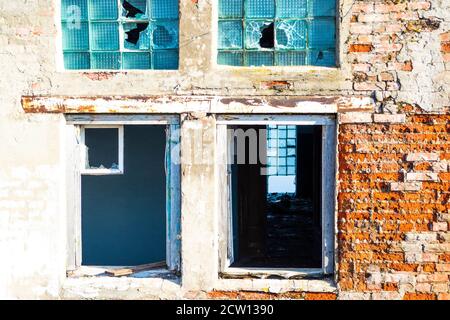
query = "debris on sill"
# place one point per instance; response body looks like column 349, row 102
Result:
column 129, row 271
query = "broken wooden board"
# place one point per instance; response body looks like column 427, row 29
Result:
column 127, row 271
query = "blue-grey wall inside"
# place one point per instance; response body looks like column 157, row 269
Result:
column 124, row 216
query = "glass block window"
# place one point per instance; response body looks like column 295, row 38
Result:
column 281, row 150
column 120, row 34
column 277, row 32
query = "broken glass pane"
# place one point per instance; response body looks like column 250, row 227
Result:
column 165, row 59
column 230, row 58
column 134, row 9
column 164, row 9
column 136, row 36
column 260, row 8
column 322, row 8
column 254, row 30
column 230, row 8
column 76, row 60
column 136, row 60
column 321, row 58
column 291, row 34
column 103, row 9
column 291, row 8
column 322, row 34
column 165, row 35
column 259, row 58
column 102, row 147
column 74, row 10
column 230, row 34
column 105, row 60
column 105, row 36
column 75, row 36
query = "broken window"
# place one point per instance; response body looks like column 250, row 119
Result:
column 120, row 34
column 279, row 206
column 276, row 32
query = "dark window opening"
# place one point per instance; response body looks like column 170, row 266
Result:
column 276, row 205
column 267, row 36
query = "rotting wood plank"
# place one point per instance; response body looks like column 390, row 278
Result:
column 127, row 271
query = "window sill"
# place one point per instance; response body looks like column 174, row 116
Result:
column 265, row 273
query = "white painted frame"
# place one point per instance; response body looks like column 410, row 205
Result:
column 85, row 152
column 328, row 199
column 74, row 146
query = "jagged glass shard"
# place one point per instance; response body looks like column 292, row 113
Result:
column 165, row 35
column 231, row 8
column 74, row 10
column 103, row 9
column 259, row 58
column 321, row 58
column 164, row 9
column 134, row 9
column 230, row 58
column 253, row 32
column 292, row 8
column 132, row 33
column 322, row 8
column 104, row 36
column 75, row 36
column 105, row 60
column 230, row 34
column 322, row 34
column 76, row 60
column 291, row 34
column 260, row 8
column 165, row 59
column 136, row 60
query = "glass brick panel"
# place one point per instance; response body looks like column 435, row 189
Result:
column 105, row 60
column 136, row 32
column 259, row 58
column 322, row 58
column 165, row 59
column 103, row 9
column 76, row 60
column 253, row 33
column 75, row 36
column 260, row 8
column 230, row 58
column 292, row 8
column 230, row 34
column 322, row 8
column 134, row 9
column 105, row 36
column 230, row 8
column 164, row 9
column 136, row 60
column 74, row 10
column 165, row 35
column 291, row 34
column 322, row 34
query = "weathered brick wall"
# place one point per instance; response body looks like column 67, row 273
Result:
column 394, row 208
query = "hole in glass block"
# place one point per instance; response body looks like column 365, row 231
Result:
column 291, row 34
column 254, row 34
column 267, row 37
column 230, row 34
column 133, row 35
column 134, row 8
column 165, row 35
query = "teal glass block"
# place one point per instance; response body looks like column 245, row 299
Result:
column 230, row 58
column 292, row 8
column 131, row 30
column 164, row 9
column 259, row 58
column 165, row 35
column 136, row 60
column 322, row 8
column 260, row 8
column 291, row 142
column 230, row 34
column 291, row 171
column 253, row 32
column 291, row 161
column 282, row 171
column 322, row 58
column 321, row 34
column 76, row 60
column 103, row 9
column 291, row 152
column 104, row 36
column 165, row 59
column 134, row 9
column 105, row 60
column 291, row 34
column 75, row 36
column 74, row 10
column 231, row 8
